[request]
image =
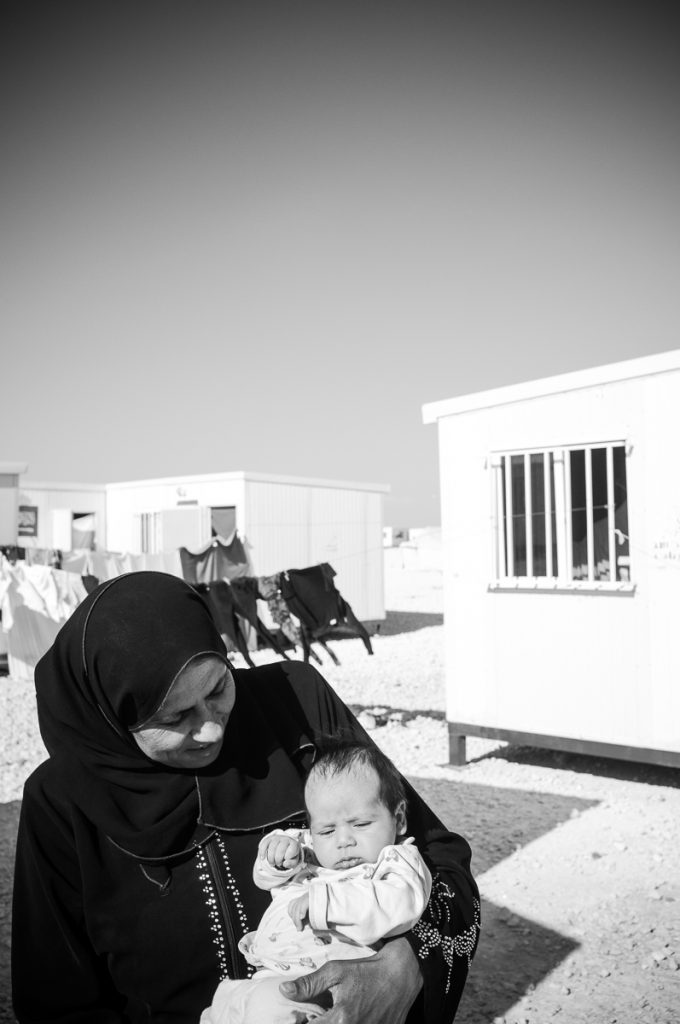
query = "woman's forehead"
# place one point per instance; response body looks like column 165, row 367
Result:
column 197, row 679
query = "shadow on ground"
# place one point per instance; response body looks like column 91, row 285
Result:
column 496, row 822
column 407, row 622
column 607, row 767
column 514, row 953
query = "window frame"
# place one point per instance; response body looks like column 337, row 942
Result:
column 557, row 479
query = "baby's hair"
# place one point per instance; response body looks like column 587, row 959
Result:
column 339, row 752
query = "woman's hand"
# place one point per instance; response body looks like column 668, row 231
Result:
column 378, row 990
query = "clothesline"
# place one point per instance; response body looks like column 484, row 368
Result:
column 303, row 604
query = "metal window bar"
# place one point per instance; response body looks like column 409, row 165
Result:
column 590, row 547
column 611, row 511
column 547, row 515
column 569, row 554
column 499, row 524
column 561, row 514
column 627, row 452
column 509, row 538
column 528, row 525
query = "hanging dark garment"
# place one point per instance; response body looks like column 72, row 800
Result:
column 218, row 560
column 246, row 592
column 221, row 601
column 313, row 598
column 90, row 582
column 269, row 589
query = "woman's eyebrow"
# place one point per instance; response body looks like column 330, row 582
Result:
column 169, row 709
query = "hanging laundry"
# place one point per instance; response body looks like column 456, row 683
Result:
column 90, row 583
column 246, row 593
column 36, row 603
column 77, row 561
column 43, row 556
column 217, row 560
column 219, row 598
column 313, row 598
column 106, row 565
column 13, row 553
column 31, row 633
column 269, row 589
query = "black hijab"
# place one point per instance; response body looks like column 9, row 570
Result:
column 108, row 671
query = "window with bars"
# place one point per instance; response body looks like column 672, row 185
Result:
column 561, row 515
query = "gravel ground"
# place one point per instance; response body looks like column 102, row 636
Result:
column 576, row 857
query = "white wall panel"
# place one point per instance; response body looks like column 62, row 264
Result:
column 292, row 526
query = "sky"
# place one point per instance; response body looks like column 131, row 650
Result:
column 260, row 236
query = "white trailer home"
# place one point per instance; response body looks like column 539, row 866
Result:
column 286, row 523
column 561, row 554
column 63, row 516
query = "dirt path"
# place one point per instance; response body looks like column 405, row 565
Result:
column 578, row 864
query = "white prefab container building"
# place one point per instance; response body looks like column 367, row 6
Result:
column 54, row 515
column 286, row 522
column 561, row 555
column 10, row 473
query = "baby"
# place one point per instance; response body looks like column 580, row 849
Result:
column 338, row 889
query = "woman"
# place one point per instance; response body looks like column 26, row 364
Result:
column 137, row 836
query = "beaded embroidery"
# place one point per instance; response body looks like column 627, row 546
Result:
column 216, row 925
column 430, row 935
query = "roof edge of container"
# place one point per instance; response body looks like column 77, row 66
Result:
column 62, row 485
column 245, row 475
column 610, row 373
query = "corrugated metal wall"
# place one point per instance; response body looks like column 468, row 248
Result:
column 292, row 526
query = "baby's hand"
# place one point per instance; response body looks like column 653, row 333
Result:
column 281, row 851
column 298, row 909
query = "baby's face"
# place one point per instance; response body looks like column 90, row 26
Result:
column 349, row 823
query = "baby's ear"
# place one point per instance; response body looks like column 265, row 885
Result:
column 400, row 817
